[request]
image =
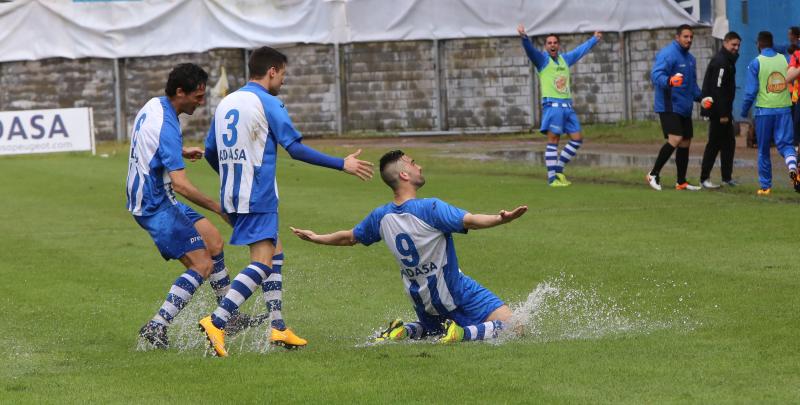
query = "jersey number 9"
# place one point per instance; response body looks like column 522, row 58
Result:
column 406, row 248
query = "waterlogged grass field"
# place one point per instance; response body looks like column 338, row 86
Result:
column 625, row 295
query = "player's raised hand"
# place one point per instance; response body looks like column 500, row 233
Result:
column 521, row 30
column 304, row 234
column 508, row 216
column 598, row 35
column 357, row 167
column 192, row 153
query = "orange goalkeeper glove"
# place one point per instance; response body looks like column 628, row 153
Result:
column 677, row 80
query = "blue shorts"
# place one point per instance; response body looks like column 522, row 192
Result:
column 172, row 230
column 190, row 213
column 254, row 227
column 559, row 118
column 476, row 303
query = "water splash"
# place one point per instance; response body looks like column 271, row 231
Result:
column 560, row 309
column 185, row 336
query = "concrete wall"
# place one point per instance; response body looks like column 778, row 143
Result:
column 389, row 86
column 61, row 83
column 487, row 84
column 478, row 84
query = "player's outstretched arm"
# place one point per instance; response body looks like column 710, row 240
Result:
column 481, row 221
column 339, row 238
column 350, row 164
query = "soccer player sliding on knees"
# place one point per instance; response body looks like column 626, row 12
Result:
column 418, row 232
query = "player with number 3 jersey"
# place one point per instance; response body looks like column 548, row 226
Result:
column 242, row 145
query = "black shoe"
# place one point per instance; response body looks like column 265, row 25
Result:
column 156, row 334
column 239, row 322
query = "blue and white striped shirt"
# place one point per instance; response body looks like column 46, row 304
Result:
column 156, row 150
column 247, row 127
column 418, row 233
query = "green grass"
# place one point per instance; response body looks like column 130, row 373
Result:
column 662, row 297
column 626, row 132
column 635, row 132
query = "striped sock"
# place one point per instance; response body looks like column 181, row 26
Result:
column 414, row 330
column 241, row 289
column 568, row 152
column 179, row 295
column 791, row 162
column 273, row 292
column 219, row 279
column 482, row 331
column 551, row 161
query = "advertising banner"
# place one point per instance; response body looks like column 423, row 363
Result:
column 44, row 131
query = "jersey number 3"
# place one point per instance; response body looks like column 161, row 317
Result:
column 406, row 248
column 233, row 116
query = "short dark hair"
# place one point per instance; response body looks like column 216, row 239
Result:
column 795, row 30
column 186, row 76
column 264, row 58
column 552, row 35
column 764, row 39
column 683, row 27
column 732, row 35
column 387, row 159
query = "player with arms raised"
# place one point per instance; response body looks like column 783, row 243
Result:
column 418, row 233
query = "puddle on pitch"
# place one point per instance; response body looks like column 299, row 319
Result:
column 185, row 336
column 584, row 158
column 560, row 309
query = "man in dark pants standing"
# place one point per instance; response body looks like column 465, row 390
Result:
column 720, row 84
column 675, row 86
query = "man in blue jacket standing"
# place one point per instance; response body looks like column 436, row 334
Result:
column 766, row 86
column 675, row 84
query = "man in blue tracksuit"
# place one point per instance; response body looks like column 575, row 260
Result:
column 766, row 86
column 675, row 85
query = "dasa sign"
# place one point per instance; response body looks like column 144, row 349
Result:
column 42, row 131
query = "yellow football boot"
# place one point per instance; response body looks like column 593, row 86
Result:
column 286, row 338
column 763, row 191
column 215, row 336
column 395, row 331
column 452, row 333
column 563, row 179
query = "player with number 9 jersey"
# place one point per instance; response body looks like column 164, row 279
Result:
column 418, row 232
column 419, row 235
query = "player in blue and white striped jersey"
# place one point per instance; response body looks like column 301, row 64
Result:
column 242, row 146
column 418, row 233
column 155, row 173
